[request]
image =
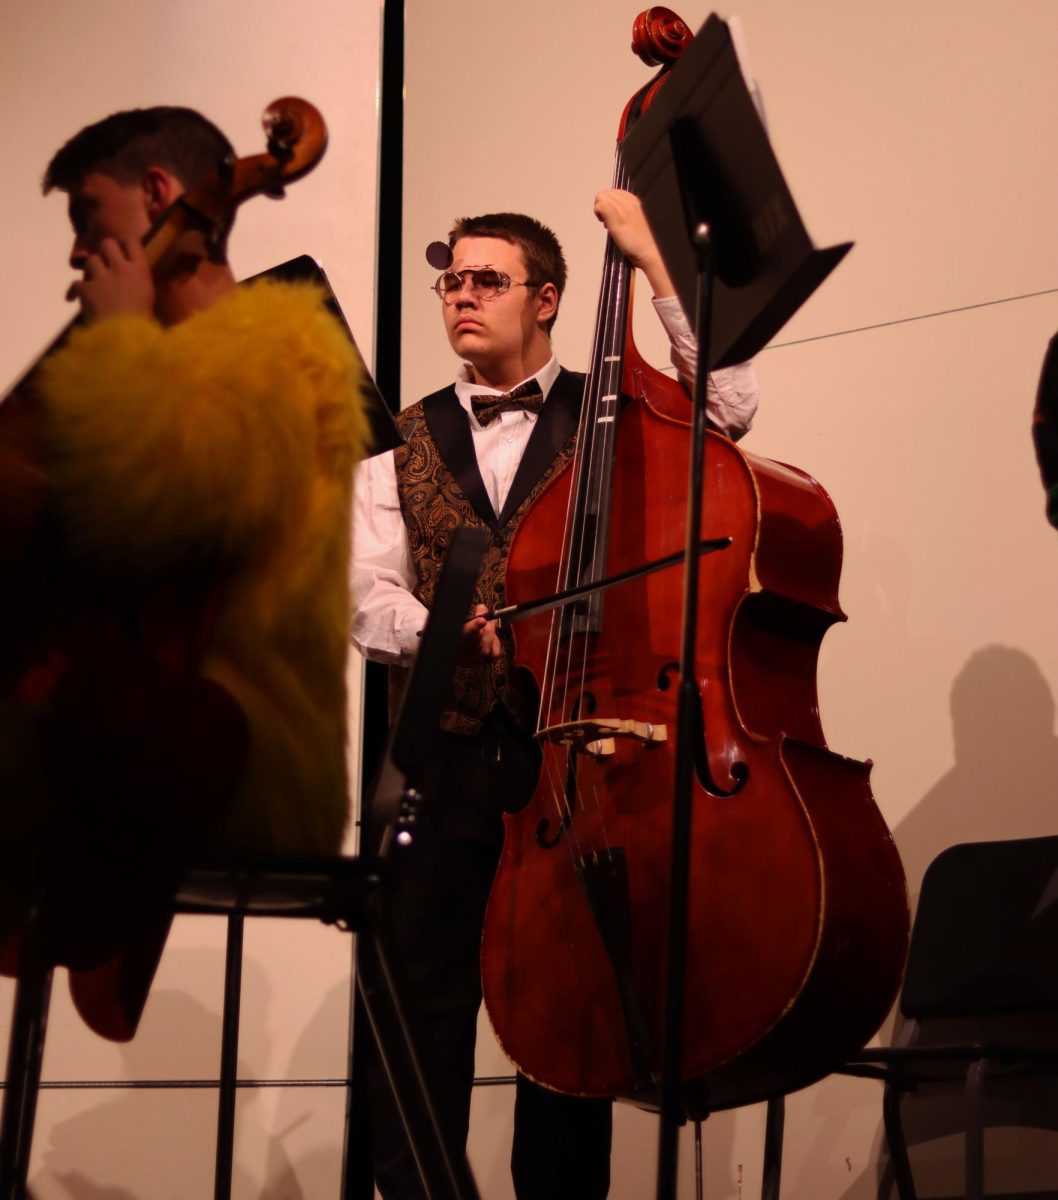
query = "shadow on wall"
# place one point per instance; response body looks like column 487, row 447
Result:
column 151, row 1144
column 1004, row 783
column 159, row 1144
column 320, row 1051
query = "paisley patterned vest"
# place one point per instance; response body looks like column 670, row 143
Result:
column 441, row 488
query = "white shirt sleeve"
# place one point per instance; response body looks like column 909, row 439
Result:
column 731, row 394
column 387, row 618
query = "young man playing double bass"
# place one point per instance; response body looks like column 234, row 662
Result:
column 479, row 452
column 175, row 683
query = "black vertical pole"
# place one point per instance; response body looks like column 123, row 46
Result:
column 388, row 275
column 388, row 271
column 229, row 1060
column 357, row 1180
column 688, row 715
column 29, row 1024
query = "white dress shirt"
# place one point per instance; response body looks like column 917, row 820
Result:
column 387, row 618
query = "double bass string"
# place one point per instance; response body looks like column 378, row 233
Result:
column 547, row 715
column 553, row 708
column 584, row 544
column 603, row 427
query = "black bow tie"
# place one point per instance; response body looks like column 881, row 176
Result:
column 526, row 396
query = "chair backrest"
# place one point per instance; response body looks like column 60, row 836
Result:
column 985, row 937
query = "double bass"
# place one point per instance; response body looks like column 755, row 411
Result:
column 797, row 916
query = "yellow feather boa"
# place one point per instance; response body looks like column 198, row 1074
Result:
column 231, row 438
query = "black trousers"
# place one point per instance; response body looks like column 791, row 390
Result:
column 433, row 925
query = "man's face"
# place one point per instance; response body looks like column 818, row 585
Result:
column 492, row 333
column 99, row 208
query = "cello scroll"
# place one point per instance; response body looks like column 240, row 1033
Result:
column 297, row 139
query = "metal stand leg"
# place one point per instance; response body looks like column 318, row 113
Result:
column 699, row 1180
column 444, row 1170
column 25, row 1053
column 357, row 1175
column 229, row 1060
column 773, row 1132
column 975, row 1133
column 894, row 1136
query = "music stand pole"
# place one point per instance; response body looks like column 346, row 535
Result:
column 688, row 716
column 394, row 811
column 701, row 146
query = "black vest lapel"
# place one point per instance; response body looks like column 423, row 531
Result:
column 555, row 425
column 449, row 427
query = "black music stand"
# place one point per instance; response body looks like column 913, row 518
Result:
column 396, row 798
column 742, row 261
column 700, row 154
column 305, row 269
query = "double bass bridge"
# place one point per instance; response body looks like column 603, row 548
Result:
column 597, row 736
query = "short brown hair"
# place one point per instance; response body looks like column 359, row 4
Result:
column 538, row 244
column 123, row 145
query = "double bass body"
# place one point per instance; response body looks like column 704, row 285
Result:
column 797, row 915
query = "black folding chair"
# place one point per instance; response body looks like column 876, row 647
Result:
column 980, row 996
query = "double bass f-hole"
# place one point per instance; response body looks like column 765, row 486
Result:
column 739, row 770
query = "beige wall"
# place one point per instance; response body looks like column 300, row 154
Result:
column 61, row 66
column 923, row 132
